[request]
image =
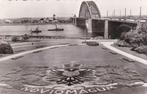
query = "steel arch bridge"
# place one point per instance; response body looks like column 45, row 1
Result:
column 90, row 19
column 89, row 10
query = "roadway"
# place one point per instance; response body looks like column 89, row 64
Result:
column 31, row 60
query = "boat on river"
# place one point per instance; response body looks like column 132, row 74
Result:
column 37, row 31
column 56, row 29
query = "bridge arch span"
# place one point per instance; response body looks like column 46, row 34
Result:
column 89, row 10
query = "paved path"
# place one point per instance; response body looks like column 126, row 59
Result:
column 28, row 52
column 109, row 46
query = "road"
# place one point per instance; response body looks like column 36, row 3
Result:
column 28, row 66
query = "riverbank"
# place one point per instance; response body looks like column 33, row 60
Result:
column 17, row 24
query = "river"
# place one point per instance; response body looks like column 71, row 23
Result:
column 70, row 30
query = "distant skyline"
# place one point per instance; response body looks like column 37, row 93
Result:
column 67, row 8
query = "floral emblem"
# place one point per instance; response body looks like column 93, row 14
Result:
column 71, row 78
column 70, row 74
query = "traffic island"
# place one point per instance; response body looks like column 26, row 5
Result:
column 91, row 43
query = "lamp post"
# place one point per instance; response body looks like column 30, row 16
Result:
column 130, row 12
column 140, row 12
column 107, row 13
column 120, row 13
column 125, row 12
column 114, row 13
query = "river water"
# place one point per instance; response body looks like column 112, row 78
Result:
column 70, row 30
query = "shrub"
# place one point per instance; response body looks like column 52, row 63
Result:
column 137, row 39
column 15, row 39
column 5, row 48
column 22, row 38
column 25, row 37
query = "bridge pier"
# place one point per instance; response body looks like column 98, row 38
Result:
column 74, row 21
column 100, row 28
column 89, row 25
column 106, row 32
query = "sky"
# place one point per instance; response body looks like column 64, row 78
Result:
column 67, row 8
